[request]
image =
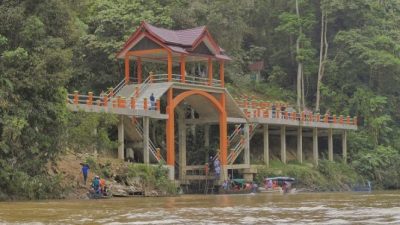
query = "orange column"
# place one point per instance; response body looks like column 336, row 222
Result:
column 222, row 73
column 170, row 130
column 127, row 70
column 169, row 67
column 183, row 69
column 223, row 140
column 139, row 69
column 210, row 72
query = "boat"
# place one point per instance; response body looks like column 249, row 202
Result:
column 238, row 186
column 278, row 185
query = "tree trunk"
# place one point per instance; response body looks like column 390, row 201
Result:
column 323, row 55
column 299, row 64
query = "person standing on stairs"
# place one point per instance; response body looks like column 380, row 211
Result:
column 152, row 102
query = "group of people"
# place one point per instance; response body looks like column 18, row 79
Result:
column 98, row 185
column 273, row 184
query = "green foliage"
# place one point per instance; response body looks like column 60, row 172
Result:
column 152, row 177
column 90, row 131
column 328, row 176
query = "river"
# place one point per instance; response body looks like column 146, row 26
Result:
column 301, row 208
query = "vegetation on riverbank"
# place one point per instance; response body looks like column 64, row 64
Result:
column 346, row 54
column 327, row 176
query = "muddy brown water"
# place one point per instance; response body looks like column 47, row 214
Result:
column 263, row 208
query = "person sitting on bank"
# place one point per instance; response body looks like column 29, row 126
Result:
column 96, row 185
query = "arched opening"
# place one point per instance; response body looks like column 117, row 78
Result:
column 218, row 104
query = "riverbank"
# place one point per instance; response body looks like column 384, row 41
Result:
column 327, row 176
column 122, row 178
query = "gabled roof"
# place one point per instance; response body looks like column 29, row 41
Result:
column 176, row 41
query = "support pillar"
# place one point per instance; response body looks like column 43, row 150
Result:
column 330, row 144
column 210, row 72
column 182, row 146
column 315, row 145
column 300, row 145
column 127, row 78
column 283, row 144
column 223, row 139
column 139, row 70
column 246, row 144
column 266, row 144
column 206, row 135
column 222, row 73
column 121, row 141
column 344, row 145
column 146, row 140
column 183, row 69
column 169, row 66
column 170, row 135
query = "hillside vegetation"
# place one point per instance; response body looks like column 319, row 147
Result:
column 341, row 56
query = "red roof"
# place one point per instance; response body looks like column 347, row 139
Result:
column 178, row 41
column 179, row 37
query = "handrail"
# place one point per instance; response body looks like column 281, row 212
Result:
column 116, row 89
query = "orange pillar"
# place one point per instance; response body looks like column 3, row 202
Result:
column 127, row 78
column 183, row 69
column 223, row 140
column 210, row 72
column 222, row 73
column 170, row 130
column 139, row 69
column 169, row 67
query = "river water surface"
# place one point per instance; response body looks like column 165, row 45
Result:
column 301, row 208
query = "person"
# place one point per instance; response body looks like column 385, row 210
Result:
column 152, row 102
column 225, row 185
column 269, row 184
column 103, row 187
column 217, row 168
column 254, row 188
column 96, row 185
column 284, row 187
column 85, row 170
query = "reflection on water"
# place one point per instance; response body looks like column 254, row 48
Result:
column 303, row 208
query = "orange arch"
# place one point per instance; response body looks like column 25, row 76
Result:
column 219, row 105
column 178, row 99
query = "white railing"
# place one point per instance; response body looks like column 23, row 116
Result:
column 159, row 78
column 152, row 147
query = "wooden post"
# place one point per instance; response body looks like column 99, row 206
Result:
column 90, row 98
column 76, row 97
column 182, row 145
column 133, row 103
column 145, row 106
